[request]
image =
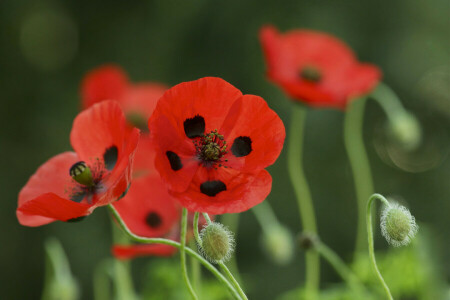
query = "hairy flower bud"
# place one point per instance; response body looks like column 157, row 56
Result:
column 405, row 129
column 278, row 244
column 398, row 226
column 217, row 243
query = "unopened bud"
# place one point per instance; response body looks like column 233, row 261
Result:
column 278, row 244
column 406, row 130
column 398, row 226
column 217, row 243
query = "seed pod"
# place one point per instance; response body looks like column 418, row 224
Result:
column 81, row 173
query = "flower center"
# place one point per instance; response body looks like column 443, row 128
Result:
column 211, row 147
column 310, row 73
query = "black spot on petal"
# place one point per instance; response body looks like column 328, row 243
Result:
column 110, row 157
column 242, row 146
column 174, row 160
column 153, row 220
column 213, row 187
column 194, row 127
column 78, row 196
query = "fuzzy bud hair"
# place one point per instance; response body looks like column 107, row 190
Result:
column 217, row 243
column 398, row 226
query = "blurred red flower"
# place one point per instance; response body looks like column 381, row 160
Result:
column 316, row 68
column 148, row 211
column 104, row 148
column 109, row 82
column 213, row 143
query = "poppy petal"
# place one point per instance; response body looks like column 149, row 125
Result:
column 50, row 186
column 132, row 251
column 225, row 191
column 207, row 98
column 54, row 207
column 100, row 133
column 142, row 98
column 148, row 210
column 177, row 175
column 108, row 82
column 254, row 133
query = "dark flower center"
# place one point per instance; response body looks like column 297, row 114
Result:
column 311, row 73
column 211, row 148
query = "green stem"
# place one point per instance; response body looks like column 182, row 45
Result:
column 388, row 101
column 122, row 273
column 183, row 253
column 225, row 269
column 354, row 143
column 196, row 271
column 340, row 267
column 265, row 216
column 189, row 251
column 301, row 188
column 370, row 240
column 195, row 229
column 232, row 222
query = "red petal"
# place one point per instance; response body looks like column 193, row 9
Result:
column 144, row 158
column 142, row 98
column 164, row 137
column 243, row 191
column 209, row 97
column 148, row 195
column 45, row 197
column 108, row 82
column 132, row 251
column 95, row 130
column 250, row 116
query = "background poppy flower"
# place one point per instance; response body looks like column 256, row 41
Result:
column 104, row 145
column 316, row 68
column 138, row 101
column 213, row 144
column 149, row 211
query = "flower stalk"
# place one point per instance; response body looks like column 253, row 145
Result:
column 177, row 245
column 224, row 268
column 183, row 253
column 359, row 162
column 301, row 188
column 370, row 241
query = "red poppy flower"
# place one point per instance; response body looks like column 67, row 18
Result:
column 213, row 144
column 149, row 211
column 72, row 184
column 138, row 101
column 316, row 68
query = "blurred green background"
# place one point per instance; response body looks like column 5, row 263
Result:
column 47, row 46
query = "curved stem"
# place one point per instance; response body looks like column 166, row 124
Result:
column 189, row 251
column 354, row 144
column 265, row 216
column 183, row 254
column 232, row 222
column 388, row 101
column 370, row 241
column 225, row 269
column 301, row 188
column 340, row 267
column 195, row 229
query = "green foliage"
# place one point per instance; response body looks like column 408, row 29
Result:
column 59, row 282
column 164, row 281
